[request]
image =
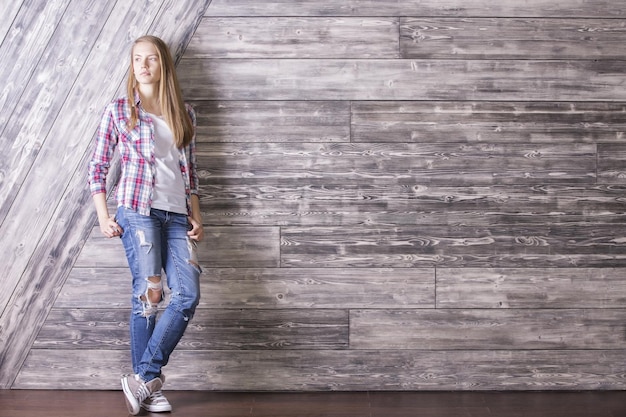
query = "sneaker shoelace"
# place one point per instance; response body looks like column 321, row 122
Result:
column 142, row 392
column 157, row 396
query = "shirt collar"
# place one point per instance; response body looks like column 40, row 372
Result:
column 137, row 98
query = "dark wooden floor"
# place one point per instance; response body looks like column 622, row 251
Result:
column 29, row 403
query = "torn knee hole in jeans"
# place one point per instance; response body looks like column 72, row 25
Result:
column 152, row 297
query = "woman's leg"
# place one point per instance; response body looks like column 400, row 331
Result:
column 183, row 278
column 142, row 243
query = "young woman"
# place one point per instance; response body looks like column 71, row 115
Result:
column 158, row 211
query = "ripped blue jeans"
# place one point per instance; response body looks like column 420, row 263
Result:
column 155, row 244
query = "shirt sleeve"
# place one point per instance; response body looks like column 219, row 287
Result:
column 193, row 167
column 106, row 141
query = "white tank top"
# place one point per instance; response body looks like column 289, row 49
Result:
column 169, row 187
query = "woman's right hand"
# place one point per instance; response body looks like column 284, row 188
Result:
column 109, row 227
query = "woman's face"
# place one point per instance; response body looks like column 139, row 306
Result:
column 146, row 64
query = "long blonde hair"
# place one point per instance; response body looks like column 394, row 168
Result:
column 170, row 96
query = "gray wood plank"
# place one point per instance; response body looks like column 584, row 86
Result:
column 87, row 328
column 37, row 82
column 339, row 203
column 291, row 37
column 339, row 370
column 518, row 38
column 538, row 8
column 267, row 288
column 403, row 370
column 492, row 329
column 51, row 196
column 531, row 288
column 222, row 247
column 484, row 122
column 528, row 246
column 101, row 252
column 237, row 329
column 10, row 9
column 402, row 79
column 272, row 121
column 440, row 164
column 611, row 163
column 98, row 369
column 96, row 288
column 33, row 25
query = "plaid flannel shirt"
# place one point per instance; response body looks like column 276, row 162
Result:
column 136, row 147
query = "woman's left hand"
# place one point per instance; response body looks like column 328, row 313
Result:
column 197, row 231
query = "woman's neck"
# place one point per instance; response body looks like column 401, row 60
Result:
column 150, row 99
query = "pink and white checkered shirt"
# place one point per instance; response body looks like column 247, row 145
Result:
column 136, row 148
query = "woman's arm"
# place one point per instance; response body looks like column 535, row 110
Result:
column 106, row 141
column 197, row 231
column 108, row 225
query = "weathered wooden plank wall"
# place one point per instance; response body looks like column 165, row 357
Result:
column 397, row 196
